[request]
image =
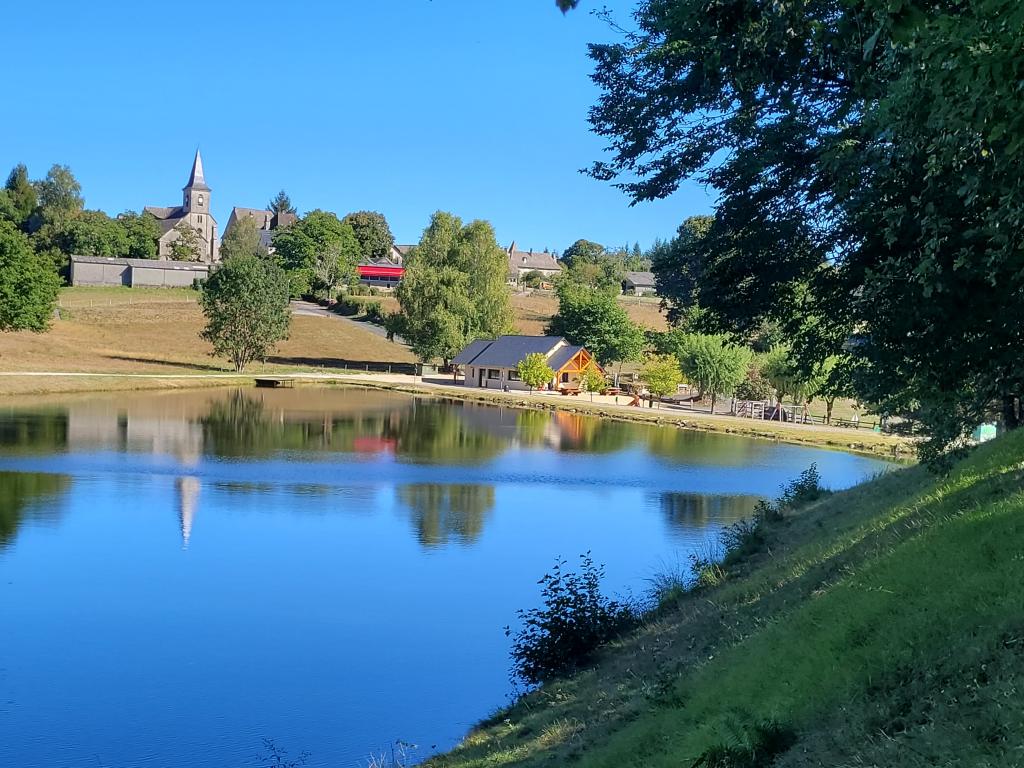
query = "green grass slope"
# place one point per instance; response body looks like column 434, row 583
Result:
column 882, row 626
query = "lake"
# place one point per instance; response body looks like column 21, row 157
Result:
column 185, row 574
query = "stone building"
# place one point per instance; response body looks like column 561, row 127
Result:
column 521, row 263
column 194, row 212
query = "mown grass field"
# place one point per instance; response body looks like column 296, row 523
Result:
column 120, row 330
column 882, row 626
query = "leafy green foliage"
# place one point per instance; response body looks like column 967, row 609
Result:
column 661, row 374
column 22, row 195
column 713, row 363
column 865, row 210
column 281, row 203
column 187, row 246
column 28, row 284
column 534, row 370
column 246, row 306
column 593, row 381
column 142, row 232
column 243, row 238
column 372, row 232
column 678, row 267
column 454, row 289
column 574, row 620
column 93, row 233
column 598, row 322
column 319, row 252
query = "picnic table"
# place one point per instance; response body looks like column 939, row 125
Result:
column 569, row 390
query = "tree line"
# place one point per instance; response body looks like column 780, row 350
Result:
column 866, row 161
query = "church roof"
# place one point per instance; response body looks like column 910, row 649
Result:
column 195, row 179
column 160, row 212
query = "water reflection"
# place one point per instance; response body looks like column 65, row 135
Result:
column 28, row 496
column 687, row 511
column 188, row 502
column 442, row 513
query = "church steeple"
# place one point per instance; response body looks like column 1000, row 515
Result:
column 196, row 193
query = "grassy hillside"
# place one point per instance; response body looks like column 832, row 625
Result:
column 881, row 626
column 121, row 330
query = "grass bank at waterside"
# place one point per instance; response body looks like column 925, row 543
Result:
column 864, row 441
column 880, row 626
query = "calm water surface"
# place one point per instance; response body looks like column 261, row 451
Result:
column 185, row 574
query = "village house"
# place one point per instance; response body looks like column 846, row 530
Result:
column 193, row 212
column 521, row 263
column 493, row 364
column 639, row 284
column 386, row 272
column 267, row 222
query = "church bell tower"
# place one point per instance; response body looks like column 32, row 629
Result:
column 195, row 195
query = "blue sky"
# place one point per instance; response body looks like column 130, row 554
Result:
column 405, row 107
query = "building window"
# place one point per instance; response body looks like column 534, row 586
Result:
column 200, row 199
column 513, row 375
column 565, row 378
column 493, row 373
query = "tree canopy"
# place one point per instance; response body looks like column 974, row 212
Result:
column 281, row 203
column 534, row 370
column 454, row 289
column 246, row 306
column 28, row 284
column 862, row 204
column 714, row 364
column 315, row 239
column 373, row 233
column 242, row 238
column 598, row 322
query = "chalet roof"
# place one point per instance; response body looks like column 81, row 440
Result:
column 530, row 260
column 195, row 179
column 640, row 279
column 507, row 351
column 561, row 356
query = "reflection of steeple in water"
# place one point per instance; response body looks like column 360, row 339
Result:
column 188, row 502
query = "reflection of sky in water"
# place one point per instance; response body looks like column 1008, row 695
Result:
column 163, row 603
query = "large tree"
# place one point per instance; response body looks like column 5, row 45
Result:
column 93, row 233
column 28, row 283
column 862, row 204
column 143, row 232
column 714, row 364
column 59, row 194
column 373, row 233
column 246, row 306
column 597, row 321
column 454, row 289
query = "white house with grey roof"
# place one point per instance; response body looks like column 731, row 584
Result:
column 639, row 284
column 492, row 364
column 193, row 212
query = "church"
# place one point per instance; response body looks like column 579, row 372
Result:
column 193, row 212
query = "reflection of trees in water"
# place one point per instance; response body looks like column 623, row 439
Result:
column 444, row 512
column 697, row 510
column 565, row 431
column 34, row 432
column 23, row 496
column 437, row 433
column 241, row 425
column 690, row 447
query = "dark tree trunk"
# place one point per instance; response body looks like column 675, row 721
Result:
column 1011, row 412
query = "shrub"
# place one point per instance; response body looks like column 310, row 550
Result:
column 347, row 307
column 373, row 312
column 574, row 620
column 757, row 749
column 754, row 386
column 803, row 490
column 667, row 586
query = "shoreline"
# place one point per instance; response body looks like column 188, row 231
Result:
column 863, row 442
